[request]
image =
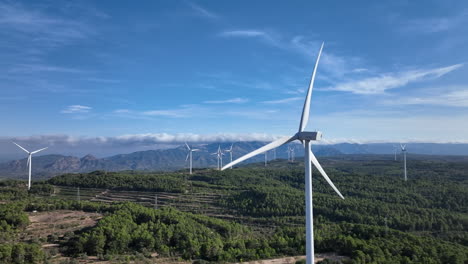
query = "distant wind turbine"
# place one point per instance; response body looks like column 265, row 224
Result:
column 189, row 155
column 293, row 154
column 30, row 161
column 229, row 150
column 403, row 149
column 395, row 148
column 266, row 158
column 219, row 155
column 309, row 159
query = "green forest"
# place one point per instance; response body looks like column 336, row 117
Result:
column 254, row 213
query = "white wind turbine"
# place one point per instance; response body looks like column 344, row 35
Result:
column 293, row 154
column 395, row 148
column 403, row 149
column 219, row 155
column 229, row 150
column 29, row 161
column 309, row 159
column 189, row 155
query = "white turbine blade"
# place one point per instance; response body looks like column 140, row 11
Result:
column 187, row 146
column 29, row 160
column 270, row 146
column 39, row 150
column 195, row 150
column 306, row 109
column 187, row 157
column 21, row 147
column 324, row 174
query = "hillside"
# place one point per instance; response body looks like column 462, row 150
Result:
column 151, row 160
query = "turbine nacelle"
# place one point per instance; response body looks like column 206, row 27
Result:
column 309, row 136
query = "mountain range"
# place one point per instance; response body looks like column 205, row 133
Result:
column 175, row 158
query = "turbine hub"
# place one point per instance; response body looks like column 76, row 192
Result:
column 309, row 136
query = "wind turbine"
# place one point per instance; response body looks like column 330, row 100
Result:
column 309, row 159
column 29, row 161
column 395, row 148
column 219, row 155
column 266, row 158
column 289, row 153
column 293, row 154
column 189, row 155
column 230, row 152
column 403, row 149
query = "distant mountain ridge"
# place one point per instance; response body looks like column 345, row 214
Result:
column 174, row 159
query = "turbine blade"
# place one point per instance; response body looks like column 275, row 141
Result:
column 324, row 174
column 39, row 150
column 267, row 147
column 195, row 150
column 187, row 146
column 21, row 147
column 187, row 157
column 29, row 160
column 306, row 109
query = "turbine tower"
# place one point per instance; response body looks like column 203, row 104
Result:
column 266, row 158
column 309, row 159
column 293, row 154
column 219, row 155
column 189, row 155
column 229, row 150
column 29, row 161
column 289, row 154
column 403, row 149
column 395, row 148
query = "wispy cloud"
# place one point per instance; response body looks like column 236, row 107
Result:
column 284, row 101
column 457, row 97
column 181, row 112
column 236, row 100
column 267, row 37
column 334, row 64
column 76, row 109
column 435, row 24
column 102, row 80
column 31, row 68
column 383, row 82
column 201, row 11
column 40, row 27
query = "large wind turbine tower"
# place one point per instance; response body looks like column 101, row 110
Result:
column 403, row 149
column 189, row 155
column 29, row 163
column 309, row 159
column 229, row 150
column 219, row 155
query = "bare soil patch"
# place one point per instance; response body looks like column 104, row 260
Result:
column 58, row 222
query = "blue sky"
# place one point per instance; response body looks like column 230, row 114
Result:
column 176, row 70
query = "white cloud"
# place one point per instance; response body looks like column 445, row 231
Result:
column 42, row 28
column 121, row 111
column 76, row 109
column 457, row 97
column 237, row 100
column 383, row 82
column 203, row 11
column 436, row 24
column 284, row 101
column 269, row 38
